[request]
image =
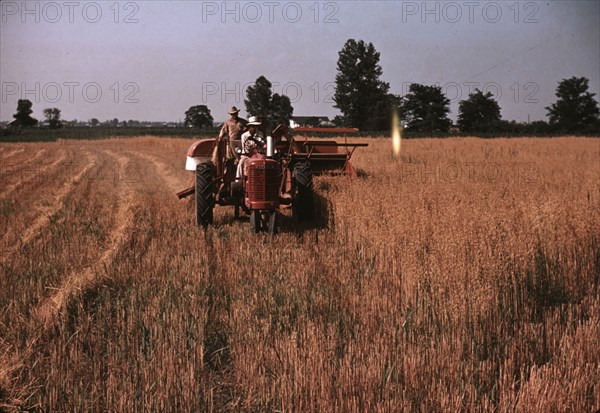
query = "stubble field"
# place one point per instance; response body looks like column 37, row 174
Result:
column 462, row 277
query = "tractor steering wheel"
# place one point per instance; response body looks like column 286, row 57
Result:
column 258, row 142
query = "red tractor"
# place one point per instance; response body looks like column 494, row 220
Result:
column 278, row 174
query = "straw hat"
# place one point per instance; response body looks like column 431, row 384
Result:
column 253, row 121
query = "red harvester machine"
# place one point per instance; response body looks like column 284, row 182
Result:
column 277, row 175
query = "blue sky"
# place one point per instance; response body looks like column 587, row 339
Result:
column 151, row 60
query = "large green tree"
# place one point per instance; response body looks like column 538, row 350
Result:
column 53, row 117
column 258, row 97
column 273, row 108
column 360, row 94
column 23, row 116
column 480, row 112
column 575, row 109
column 198, row 116
column 425, row 109
column 281, row 110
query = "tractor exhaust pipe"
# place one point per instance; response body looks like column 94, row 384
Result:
column 270, row 152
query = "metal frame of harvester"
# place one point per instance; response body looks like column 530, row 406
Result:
column 276, row 176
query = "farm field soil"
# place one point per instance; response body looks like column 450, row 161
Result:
column 463, row 276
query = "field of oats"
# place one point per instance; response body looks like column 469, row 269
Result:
column 463, row 276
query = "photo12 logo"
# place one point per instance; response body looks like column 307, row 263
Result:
column 235, row 92
column 520, row 92
column 470, row 11
column 269, row 12
column 69, row 12
column 473, row 172
column 53, row 92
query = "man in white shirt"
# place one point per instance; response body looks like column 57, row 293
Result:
column 250, row 140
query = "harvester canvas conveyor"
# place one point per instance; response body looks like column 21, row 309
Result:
column 326, row 156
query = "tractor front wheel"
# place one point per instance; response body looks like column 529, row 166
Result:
column 272, row 223
column 205, row 198
column 263, row 221
column 255, row 221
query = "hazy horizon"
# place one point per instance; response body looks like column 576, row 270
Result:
column 151, row 61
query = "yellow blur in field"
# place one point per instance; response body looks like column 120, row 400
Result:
column 396, row 133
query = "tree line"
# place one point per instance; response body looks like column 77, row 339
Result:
column 365, row 102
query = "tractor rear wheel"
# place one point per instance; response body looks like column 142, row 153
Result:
column 303, row 203
column 205, row 198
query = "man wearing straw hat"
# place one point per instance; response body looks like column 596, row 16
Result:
column 250, row 140
column 232, row 130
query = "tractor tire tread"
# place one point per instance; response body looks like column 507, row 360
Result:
column 205, row 200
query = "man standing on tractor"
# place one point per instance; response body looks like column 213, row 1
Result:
column 250, row 140
column 232, row 130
